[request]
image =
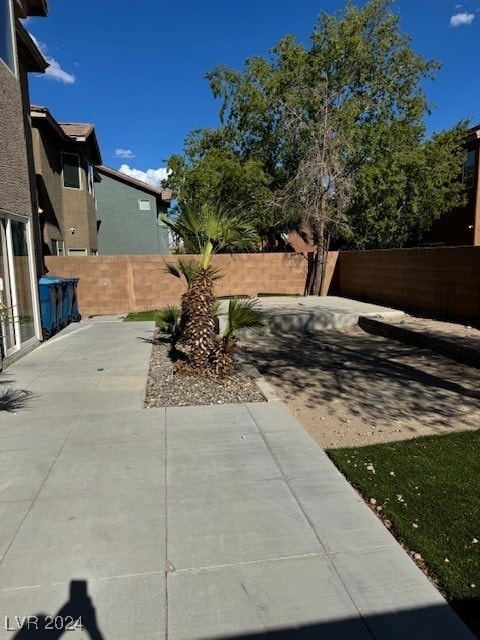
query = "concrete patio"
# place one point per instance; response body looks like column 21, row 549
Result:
column 186, row 522
column 314, row 313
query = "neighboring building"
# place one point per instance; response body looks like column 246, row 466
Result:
column 461, row 226
column 128, row 214
column 18, row 262
column 65, row 155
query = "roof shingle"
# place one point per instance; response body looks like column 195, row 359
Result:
column 76, row 129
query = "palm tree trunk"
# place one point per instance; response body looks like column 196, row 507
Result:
column 222, row 356
column 199, row 332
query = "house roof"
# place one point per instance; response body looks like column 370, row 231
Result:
column 37, row 7
column 299, row 243
column 25, row 8
column 163, row 194
column 76, row 129
column 473, row 133
column 69, row 131
column 28, row 50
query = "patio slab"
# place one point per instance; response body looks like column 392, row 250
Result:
column 187, row 522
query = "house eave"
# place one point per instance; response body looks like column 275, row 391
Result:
column 28, row 50
column 163, row 196
column 34, row 8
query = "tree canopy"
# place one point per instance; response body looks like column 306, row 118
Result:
column 340, row 123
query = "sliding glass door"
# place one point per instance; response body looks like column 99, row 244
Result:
column 18, row 324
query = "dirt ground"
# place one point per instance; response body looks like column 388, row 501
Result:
column 351, row 388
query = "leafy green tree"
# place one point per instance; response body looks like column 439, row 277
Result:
column 210, row 173
column 422, row 184
column 347, row 111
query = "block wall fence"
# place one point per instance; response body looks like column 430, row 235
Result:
column 121, row 284
column 438, row 282
column 441, row 282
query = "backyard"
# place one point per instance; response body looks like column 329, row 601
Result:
column 426, row 490
column 400, row 422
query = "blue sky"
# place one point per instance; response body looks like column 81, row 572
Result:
column 135, row 70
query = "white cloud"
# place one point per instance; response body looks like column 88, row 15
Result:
column 123, row 153
column 152, row 177
column 54, row 71
column 462, row 18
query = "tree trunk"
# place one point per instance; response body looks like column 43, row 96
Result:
column 319, row 258
column 222, row 356
column 319, row 268
column 199, row 333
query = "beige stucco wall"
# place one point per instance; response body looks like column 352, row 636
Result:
column 63, row 208
column 15, row 196
column 79, row 214
column 48, row 167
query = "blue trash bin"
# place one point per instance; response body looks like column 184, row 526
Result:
column 67, row 300
column 51, row 303
column 75, row 315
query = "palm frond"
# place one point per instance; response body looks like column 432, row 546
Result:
column 169, row 318
column 173, row 269
column 243, row 313
column 216, row 308
column 209, row 229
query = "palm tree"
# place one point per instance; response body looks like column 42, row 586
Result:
column 186, row 270
column 206, row 231
column 243, row 313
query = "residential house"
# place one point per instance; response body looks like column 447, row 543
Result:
column 65, row 154
column 461, row 227
column 128, row 214
column 20, row 323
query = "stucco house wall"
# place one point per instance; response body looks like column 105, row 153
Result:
column 15, row 195
column 19, row 263
column 68, row 215
column 125, row 226
column 79, row 211
column 48, row 172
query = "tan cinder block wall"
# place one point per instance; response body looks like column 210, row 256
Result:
column 330, row 280
column 440, row 282
column 121, row 284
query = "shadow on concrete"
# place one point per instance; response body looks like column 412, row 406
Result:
column 78, row 610
column 13, row 399
column 428, row 623
column 363, row 376
column 469, row 612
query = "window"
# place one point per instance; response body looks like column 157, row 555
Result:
column 77, row 252
column 90, row 179
column 58, row 248
column 71, row 170
column 6, row 35
column 144, row 205
column 468, row 173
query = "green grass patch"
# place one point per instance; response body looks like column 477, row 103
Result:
column 429, row 488
column 143, row 316
column 279, row 295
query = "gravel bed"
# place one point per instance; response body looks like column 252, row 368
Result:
column 164, row 389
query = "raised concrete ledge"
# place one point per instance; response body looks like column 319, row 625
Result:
column 407, row 335
column 309, row 314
